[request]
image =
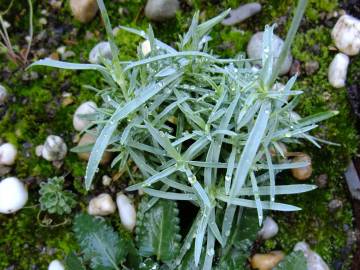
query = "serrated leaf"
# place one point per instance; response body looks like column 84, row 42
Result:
column 72, row 262
column 294, row 261
column 101, row 246
column 158, row 231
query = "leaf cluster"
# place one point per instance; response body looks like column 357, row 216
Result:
column 200, row 129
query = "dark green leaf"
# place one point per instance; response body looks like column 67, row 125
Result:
column 99, row 243
column 158, row 230
column 72, row 262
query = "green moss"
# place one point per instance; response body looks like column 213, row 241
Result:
column 35, row 111
column 26, row 245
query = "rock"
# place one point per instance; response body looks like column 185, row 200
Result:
column 3, row 95
column 338, row 70
column 311, row 67
column 161, row 10
column 56, row 265
column 145, row 47
column 266, row 261
column 254, row 50
column 54, row 148
column 295, row 68
column 269, row 229
column 101, row 205
column 84, row 10
column 242, row 13
column 346, row 35
column 8, row 154
column 100, row 50
column 38, row 150
column 4, row 170
column 127, row 211
column 88, row 107
column 13, row 195
column 322, row 180
column 87, row 139
column 302, row 173
column 106, row 180
column 335, row 205
column 314, row 261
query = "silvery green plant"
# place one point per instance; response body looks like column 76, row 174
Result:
column 201, row 129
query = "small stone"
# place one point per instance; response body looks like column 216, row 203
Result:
column 101, row 50
column 346, row 35
column 255, row 49
column 335, row 205
column 101, row 205
column 88, row 107
column 30, row 76
column 314, row 261
column 67, row 99
column 56, row 265
column 106, row 180
column 38, row 150
column 295, row 68
column 322, row 180
column 88, row 139
column 4, row 170
column 145, row 47
column 338, row 70
column 311, row 67
column 42, row 21
column 3, row 94
column 127, row 211
column 302, row 173
column 161, row 10
column 269, row 229
column 242, row 13
column 84, row 10
column 266, row 261
column 8, row 154
column 54, row 148
column 13, row 195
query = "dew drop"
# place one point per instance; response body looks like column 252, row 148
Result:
column 210, row 252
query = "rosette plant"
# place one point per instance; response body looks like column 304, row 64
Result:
column 200, row 129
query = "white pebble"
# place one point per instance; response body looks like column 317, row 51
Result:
column 101, row 205
column 56, row 265
column 338, row 70
column 269, row 229
column 3, row 95
column 146, row 47
column 54, row 148
column 127, row 211
column 101, row 50
column 255, row 49
column 13, row 195
column 38, row 150
column 161, row 10
column 8, row 154
column 346, row 35
column 83, row 10
column 106, row 180
column 85, row 108
column 242, row 13
column 314, row 261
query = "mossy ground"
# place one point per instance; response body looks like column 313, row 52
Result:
column 35, row 110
